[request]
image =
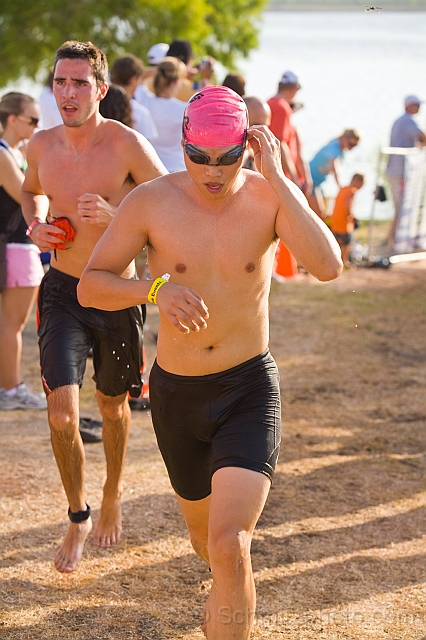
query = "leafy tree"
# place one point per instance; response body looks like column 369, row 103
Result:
column 32, row 30
column 352, row 5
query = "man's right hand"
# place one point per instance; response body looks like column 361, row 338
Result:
column 42, row 236
column 267, row 151
column 93, row 209
column 185, row 309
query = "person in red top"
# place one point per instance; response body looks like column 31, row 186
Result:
column 283, row 129
column 342, row 218
column 293, row 165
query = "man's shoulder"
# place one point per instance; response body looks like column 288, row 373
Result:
column 165, row 188
column 45, row 138
column 333, row 144
column 274, row 100
column 278, row 103
column 406, row 117
column 256, row 186
column 346, row 191
column 333, row 147
column 116, row 132
column 47, row 134
column 406, row 121
column 253, row 176
column 112, row 127
column 164, row 184
column 403, row 130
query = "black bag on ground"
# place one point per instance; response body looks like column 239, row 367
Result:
column 380, row 193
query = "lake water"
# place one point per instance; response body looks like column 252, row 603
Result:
column 355, row 69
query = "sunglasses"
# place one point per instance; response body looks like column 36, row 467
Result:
column 198, row 157
column 29, row 120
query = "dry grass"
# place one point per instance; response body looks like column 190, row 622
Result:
column 340, row 550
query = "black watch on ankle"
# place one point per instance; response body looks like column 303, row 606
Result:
column 78, row 517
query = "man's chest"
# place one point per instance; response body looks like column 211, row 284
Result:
column 212, row 244
column 65, row 178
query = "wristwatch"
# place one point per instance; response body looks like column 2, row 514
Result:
column 31, row 227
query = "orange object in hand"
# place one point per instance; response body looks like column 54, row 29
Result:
column 64, row 224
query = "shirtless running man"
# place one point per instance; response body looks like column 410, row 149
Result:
column 82, row 170
column 214, row 388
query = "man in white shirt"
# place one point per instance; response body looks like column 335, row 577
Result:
column 405, row 133
column 127, row 72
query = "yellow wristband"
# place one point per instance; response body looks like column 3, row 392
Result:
column 156, row 285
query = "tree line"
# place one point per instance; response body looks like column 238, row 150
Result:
column 32, row 30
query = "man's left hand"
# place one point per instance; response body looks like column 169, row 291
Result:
column 93, row 209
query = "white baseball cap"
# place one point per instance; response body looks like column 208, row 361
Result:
column 157, row 52
column 289, row 77
column 412, row 100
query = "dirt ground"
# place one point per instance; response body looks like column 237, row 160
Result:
column 340, row 550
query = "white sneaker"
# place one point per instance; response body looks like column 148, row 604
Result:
column 24, row 398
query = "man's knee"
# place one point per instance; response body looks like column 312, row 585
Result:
column 62, row 409
column 113, row 408
column 200, row 547
column 62, row 421
column 229, row 545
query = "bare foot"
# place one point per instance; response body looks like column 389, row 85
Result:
column 69, row 553
column 108, row 528
column 207, row 611
column 203, row 625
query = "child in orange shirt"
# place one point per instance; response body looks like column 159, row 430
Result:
column 342, row 219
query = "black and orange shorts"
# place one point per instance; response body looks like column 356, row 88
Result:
column 67, row 331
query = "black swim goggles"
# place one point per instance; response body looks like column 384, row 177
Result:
column 198, row 157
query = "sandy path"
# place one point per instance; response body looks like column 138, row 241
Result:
column 340, row 551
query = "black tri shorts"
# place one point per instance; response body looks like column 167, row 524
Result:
column 226, row 419
column 67, row 331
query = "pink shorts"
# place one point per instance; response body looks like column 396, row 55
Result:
column 23, row 264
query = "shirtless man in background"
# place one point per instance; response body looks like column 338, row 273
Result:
column 81, row 171
column 215, row 397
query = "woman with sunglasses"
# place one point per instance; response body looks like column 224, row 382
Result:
column 167, row 112
column 19, row 116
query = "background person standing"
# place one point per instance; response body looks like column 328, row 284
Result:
column 342, row 220
column 127, row 72
column 283, row 129
column 291, row 157
column 155, row 55
column 405, row 133
column 19, row 116
column 167, row 112
column 326, row 161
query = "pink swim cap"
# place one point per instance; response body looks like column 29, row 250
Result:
column 215, row 117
